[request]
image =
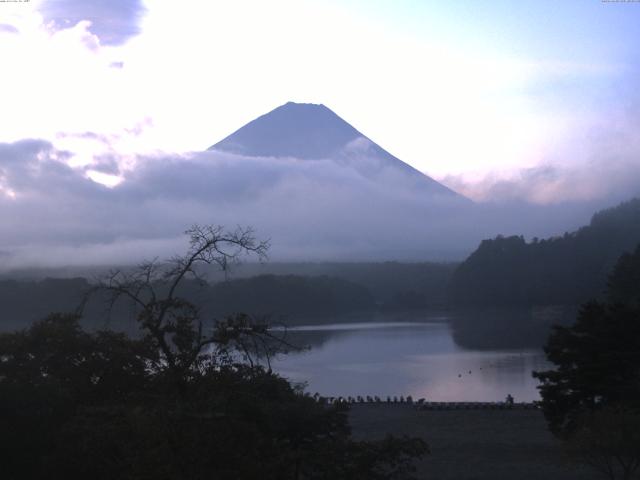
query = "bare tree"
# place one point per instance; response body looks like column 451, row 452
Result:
column 173, row 325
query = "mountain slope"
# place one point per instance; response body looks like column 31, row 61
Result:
column 305, row 131
column 314, row 132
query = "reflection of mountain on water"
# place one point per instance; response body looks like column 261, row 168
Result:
column 308, row 339
column 473, row 329
column 316, row 338
column 499, row 328
column 311, row 333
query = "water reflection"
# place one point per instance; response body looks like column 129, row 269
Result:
column 406, row 358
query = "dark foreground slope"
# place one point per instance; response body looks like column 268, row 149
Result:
column 473, row 444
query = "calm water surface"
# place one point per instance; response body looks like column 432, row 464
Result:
column 420, row 359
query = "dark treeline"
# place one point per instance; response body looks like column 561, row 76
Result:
column 24, row 302
column 509, row 292
column 567, row 270
column 291, row 296
column 315, row 292
column 392, row 284
column 288, row 297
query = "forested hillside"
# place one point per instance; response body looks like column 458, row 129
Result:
column 26, row 301
column 392, row 284
column 282, row 297
column 565, row 270
column 290, row 296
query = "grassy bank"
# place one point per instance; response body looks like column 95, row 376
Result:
column 473, row 444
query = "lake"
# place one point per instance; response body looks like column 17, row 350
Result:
column 417, row 358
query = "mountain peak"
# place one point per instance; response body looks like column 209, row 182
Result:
column 309, row 106
column 312, row 131
column 300, row 130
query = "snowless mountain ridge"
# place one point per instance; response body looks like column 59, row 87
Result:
column 308, row 131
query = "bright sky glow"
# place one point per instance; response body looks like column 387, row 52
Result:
column 460, row 90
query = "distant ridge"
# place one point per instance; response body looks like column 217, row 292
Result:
column 567, row 270
column 310, row 131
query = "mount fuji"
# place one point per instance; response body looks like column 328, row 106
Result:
column 313, row 132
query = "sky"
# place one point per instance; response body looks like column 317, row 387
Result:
column 462, row 89
column 528, row 101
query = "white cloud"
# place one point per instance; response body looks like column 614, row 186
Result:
column 114, row 106
column 600, row 161
column 198, row 70
column 311, row 210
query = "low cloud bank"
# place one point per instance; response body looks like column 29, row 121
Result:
column 597, row 163
column 53, row 215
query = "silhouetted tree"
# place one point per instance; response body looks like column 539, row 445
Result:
column 608, row 441
column 624, row 281
column 171, row 323
column 49, row 374
column 592, row 397
column 597, row 364
column 176, row 403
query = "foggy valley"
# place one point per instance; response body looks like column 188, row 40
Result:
column 301, row 239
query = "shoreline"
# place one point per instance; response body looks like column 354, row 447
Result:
column 421, row 404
